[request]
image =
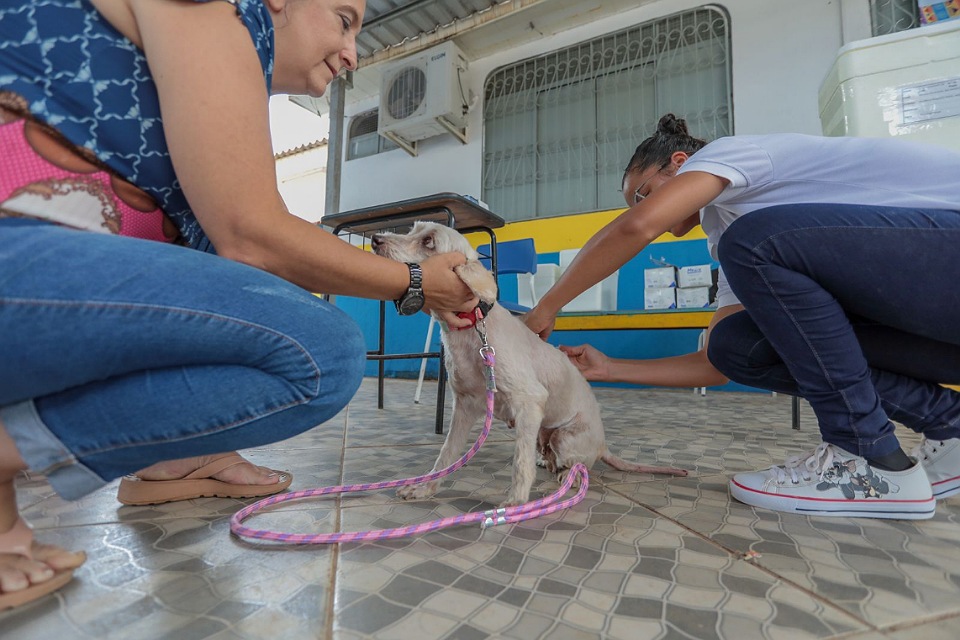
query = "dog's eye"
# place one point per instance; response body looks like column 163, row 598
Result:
column 428, row 242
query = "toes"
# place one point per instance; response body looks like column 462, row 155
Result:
column 268, row 475
column 248, row 473
column 58, row 558
column 17, row 572
column 12, row 579
column 38, row 572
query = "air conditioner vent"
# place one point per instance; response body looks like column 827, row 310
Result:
column 407, row 92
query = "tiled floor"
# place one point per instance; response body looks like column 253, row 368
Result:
column 641, row 557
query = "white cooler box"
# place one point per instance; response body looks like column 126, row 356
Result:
column 532, row 287
column 599, row 297
column 905, row 84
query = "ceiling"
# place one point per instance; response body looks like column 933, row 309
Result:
column 388, row 23
column 397, row 28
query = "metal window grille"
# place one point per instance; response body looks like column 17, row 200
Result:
column 891, row 16
column 560, row 128
column 363, row 140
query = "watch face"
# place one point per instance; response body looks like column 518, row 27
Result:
column 410, row 303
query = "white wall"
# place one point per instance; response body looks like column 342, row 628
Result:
column 301, row 177
column 302, row 181
column 781, row 51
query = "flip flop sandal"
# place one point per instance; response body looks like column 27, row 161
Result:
column 19, row 541
column 199, row 484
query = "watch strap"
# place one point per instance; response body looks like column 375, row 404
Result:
column 413, row 293
column 416, row 276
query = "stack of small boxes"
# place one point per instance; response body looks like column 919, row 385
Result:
column 693, row 286
column 659, row 288
column 670, row 287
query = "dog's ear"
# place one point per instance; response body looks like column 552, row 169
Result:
column 480, row 281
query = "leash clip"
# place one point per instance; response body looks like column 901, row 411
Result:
column 487, row 354
column 481, row 329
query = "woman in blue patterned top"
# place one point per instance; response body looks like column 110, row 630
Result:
column 131, row 132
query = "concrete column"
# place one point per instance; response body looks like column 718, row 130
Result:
column 338, row 94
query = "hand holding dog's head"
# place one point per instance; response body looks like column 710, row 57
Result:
column 427, row 239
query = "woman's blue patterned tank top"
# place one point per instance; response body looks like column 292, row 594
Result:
column 81, row 76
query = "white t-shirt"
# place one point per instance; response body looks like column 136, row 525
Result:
column 789, row 168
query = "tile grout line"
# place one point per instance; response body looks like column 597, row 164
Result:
column 335, row 551
column 740, row 557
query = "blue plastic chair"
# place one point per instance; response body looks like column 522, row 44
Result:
column 513, row 257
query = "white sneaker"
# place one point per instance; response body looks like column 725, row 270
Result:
column 941, row 459
column 831, row 482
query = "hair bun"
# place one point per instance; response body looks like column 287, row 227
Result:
column 672, row 126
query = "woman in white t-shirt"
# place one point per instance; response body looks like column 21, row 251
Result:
column 818, row 238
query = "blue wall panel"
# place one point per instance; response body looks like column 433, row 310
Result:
column 680, row 253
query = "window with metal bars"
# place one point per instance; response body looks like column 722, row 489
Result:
column 891, row 16
column 559, row 128
column 363, row 139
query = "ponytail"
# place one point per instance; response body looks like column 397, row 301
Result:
column 672, row 135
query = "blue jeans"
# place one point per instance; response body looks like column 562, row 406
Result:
column 118, row 353
column 854, row 308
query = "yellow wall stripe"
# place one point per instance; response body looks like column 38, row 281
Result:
column 642, row 320
column 557, row 233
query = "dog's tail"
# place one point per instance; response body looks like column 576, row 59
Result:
column 622, row 465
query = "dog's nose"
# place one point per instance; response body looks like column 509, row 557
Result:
column 375, row 241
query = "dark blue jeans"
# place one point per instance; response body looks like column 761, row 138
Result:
column 116, row 353
column 854, row 308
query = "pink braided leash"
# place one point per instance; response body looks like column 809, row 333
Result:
column 503, row 515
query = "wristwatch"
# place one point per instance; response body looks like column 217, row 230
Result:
column 412, row 301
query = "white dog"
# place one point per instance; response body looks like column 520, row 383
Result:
column 538, row 390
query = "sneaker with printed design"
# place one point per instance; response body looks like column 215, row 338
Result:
column 831, row 482
column 941, row 460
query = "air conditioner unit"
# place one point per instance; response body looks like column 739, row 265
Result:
column 423, row 96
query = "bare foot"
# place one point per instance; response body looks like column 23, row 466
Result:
column 246, row 473
column 17, row 572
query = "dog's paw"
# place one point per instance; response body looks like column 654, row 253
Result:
column 514, row 500
column 546, row 463
column 418, row 491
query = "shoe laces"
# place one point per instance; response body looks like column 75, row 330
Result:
column 804, row 466
column 926, row 448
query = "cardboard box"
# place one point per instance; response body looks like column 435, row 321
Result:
column 698, row 275
column 693, row 298
column 660, row 298
column 660, row 277
column 932, row 11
